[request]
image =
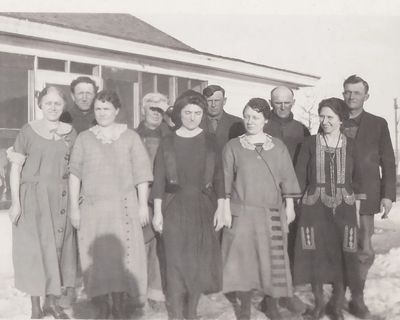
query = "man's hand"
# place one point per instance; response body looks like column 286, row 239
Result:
column 386, row 206
column 14, row 213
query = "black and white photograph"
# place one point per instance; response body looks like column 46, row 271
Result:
column 200, row 159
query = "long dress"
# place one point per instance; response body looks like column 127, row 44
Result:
column 110, row 237
column 44, row 247
column 254, row 250
column 326, row 243
column 192, row 251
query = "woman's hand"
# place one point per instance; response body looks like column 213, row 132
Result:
column 14, row 213
column 75, row 217
column 158, row 221
column 219, row 218
column 290, row 214
column 143, row 214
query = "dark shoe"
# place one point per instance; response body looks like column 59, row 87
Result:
column 293, row 304
column 270, row 308
column 315, row 314
column 37, row 314
column 358, row 308
column 102, row 307
column 56, row 311
column 157, row 306
column 118, row 305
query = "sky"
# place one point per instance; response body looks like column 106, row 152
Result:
column 330, row 39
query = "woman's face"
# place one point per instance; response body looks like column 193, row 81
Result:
column 253, row 121
column 105, row 113
column 191, row 116
column 52, row 105
column 329, row 120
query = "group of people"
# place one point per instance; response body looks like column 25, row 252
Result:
column 197, row 201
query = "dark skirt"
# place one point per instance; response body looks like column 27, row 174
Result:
column 326, row 245
column 192, row 249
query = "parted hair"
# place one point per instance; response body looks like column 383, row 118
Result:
column 109, row 96
column 186, row 98
column 338, row 106
column 260, row 105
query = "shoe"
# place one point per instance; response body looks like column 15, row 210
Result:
column 358, row 308
column 157, row 306
column 118, row 305
column 293, row 304
column 56, row 311
column 102, row 307
column 37, row 315
column 270, row 308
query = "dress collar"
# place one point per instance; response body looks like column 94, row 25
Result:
column 267, row 145
column 117, row 130
column 58, row 133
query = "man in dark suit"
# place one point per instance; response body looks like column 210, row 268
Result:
column 224, row 125
column 376, row 172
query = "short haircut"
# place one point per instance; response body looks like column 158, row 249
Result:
column 109, row 96
column 210, row 90
column 338, row 106
column 353, row 79
column 155, row 99
column 79, row 80
column 49, row 89
column 274, row 89
column 260, row 105
column 186, row 98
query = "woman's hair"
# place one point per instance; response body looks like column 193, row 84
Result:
column 49, row 89
column 186, row 98
column 338, row 106
column 260, row 105
column 109, row 96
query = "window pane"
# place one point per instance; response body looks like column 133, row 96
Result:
column 121, row 81
column 183, row 85
column 163, row 84
column 51, row 64
column 82, row 68
column 13, row 110
column 147, row 83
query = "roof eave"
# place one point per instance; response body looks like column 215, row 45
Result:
column 75, row 37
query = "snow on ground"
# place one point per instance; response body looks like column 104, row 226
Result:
column 382, row 293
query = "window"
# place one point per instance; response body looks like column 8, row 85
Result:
column 51, row 64
column 14, row 69
column 82, row 68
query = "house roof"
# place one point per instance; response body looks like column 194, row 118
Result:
column 117, row 25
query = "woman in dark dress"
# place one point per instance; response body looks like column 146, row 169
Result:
column 326, row 244
column 188, row 180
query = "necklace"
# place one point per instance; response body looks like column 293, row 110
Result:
column 332, row 156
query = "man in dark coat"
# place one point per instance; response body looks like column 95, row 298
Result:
column 224, row 125
column 377, row 166
column 81, row 114
column 281, row 125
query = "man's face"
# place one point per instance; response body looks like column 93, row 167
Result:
column 83, row 95
column 354, row 95
column 216, row 104
column 153, row 116
column 282, row 102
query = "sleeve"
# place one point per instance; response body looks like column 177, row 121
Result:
column 158, row 187
column 357, row 178
column 17, row 154
column 228, row 164
column 77, row 158
column 388, row 164
column 306, row 132
column 140, row 162
column 219, row 176
column 302, row 165
column 289, row 185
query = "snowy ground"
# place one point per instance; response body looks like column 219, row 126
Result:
column 382, row 293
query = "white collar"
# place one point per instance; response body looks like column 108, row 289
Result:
column 42, row 130
column 116, row 132
column 267, row 145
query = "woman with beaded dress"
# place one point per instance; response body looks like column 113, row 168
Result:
column 326, row 243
